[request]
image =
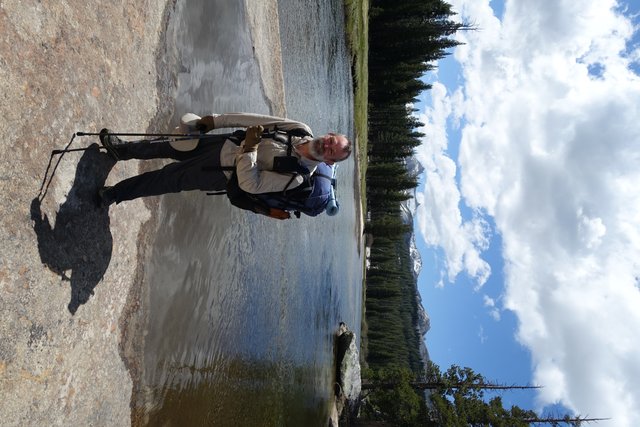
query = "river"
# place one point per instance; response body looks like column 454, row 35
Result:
column 242, row 308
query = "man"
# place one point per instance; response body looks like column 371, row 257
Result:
column 210, row 165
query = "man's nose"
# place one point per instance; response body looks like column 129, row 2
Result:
column 328, row 142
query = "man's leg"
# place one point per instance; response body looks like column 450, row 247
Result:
column 155, row 149
column 198, row 173
column 145, row 150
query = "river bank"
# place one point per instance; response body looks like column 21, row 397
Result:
column 72, row 315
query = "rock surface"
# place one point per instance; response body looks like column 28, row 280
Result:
column 70, row 308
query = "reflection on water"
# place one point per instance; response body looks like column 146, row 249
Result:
column 242, row 308
column 242, row 393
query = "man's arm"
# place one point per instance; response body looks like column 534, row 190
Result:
column 233, row 120
column 255, row 181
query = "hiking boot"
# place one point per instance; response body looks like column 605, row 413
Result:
column 110, row 142
column 105, row 197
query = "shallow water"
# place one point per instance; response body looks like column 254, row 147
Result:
column 243, row 308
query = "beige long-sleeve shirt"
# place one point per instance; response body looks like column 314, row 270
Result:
column 255, row 168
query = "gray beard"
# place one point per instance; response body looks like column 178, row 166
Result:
column 314, row 149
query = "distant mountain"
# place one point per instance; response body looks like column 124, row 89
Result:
column 408, row 211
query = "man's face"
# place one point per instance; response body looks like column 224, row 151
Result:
column 329, row 148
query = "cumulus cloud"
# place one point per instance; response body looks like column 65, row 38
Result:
column 438, row 215
column 551, row 150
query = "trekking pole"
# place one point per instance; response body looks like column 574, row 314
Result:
column 70, row 150
column 179, row 141
column 160, row 138
column 43, row 188
column 159, row 135
column 189, row 124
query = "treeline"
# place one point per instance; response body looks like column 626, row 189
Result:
column 391, row 307
column 455, row 397
column 405, row 39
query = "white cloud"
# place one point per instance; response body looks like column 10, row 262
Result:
column 490, row 303
column 481, row 335
column 552, row 153
column 438, row 214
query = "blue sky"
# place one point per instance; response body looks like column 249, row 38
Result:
column 529, row 214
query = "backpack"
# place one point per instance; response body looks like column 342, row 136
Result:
column 310, row 198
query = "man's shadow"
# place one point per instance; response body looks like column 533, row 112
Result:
column 81, row 239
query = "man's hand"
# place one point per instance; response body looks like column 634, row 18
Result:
column 205, row 124
column 252, row 138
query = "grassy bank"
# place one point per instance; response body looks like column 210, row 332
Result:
column 357, row 13
column 357, row 16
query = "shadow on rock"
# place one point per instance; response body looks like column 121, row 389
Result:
column 81, row 240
